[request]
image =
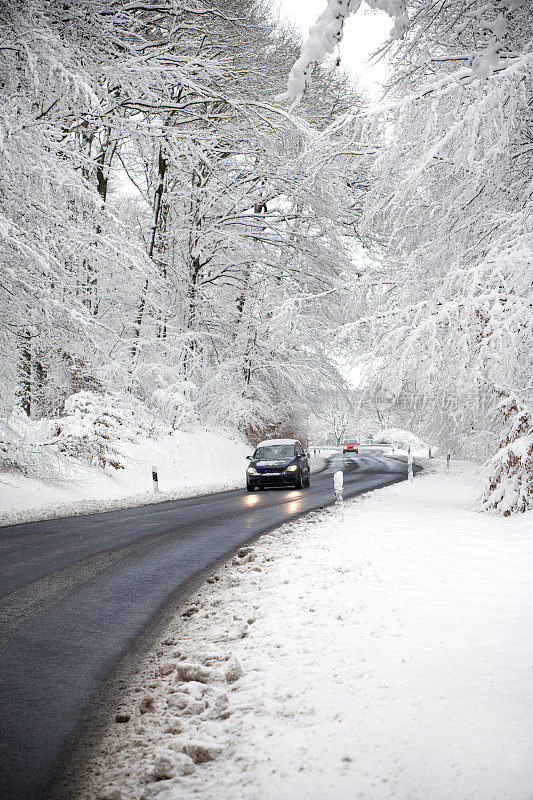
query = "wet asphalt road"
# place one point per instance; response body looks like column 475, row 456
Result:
column 74, row 594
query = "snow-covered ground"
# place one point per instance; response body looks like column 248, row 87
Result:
column 386, row 650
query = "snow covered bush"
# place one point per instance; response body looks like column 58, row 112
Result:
column 509, row 487
column 175, row 404
column 89, row 430
column 401, row 439
column 26, row 447
column 94, row 426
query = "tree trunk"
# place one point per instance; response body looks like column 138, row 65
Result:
column 103, row 164
column 162, row 168
column 24, row 390
column 39, row 378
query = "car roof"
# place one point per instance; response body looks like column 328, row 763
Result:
column 277, row 441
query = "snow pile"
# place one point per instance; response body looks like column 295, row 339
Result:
column 95, row 426
column 381, row 650
column 403, row 440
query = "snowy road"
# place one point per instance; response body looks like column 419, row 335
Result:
column 76, row 592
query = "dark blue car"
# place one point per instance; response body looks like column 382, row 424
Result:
column 278, row 462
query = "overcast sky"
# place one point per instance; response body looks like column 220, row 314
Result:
column 364, row 32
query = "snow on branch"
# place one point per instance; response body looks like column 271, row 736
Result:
column 326, row 34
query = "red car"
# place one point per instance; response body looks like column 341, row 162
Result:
column 350, row 446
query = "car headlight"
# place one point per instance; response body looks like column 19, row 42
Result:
column 251, row 471
column 292, row 468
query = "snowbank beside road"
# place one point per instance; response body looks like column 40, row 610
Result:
column 386, row 651
column 187, row 464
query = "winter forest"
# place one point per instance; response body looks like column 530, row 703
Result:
column 203, row 220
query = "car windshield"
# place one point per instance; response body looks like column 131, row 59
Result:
column 350, row 441
column 272, row 452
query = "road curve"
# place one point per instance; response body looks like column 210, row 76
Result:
column 75, row 592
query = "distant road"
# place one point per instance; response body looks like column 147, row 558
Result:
column 75, row 592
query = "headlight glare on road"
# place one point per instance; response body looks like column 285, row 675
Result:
column 292, row 468
column 251, row 471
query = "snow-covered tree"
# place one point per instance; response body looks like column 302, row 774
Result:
column 247, row 239
column 449, row 309
column 167, row 234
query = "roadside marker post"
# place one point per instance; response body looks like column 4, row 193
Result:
column 338, row 483
column 155, row 480
column 448, row 457
column 410, row 467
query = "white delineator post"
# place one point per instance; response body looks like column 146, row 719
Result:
column 410, row 467
column 448, row 457
column 338, row 483
column 155, row 480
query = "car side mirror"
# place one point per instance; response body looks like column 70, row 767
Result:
column 249, row 458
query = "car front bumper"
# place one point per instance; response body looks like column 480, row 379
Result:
column 273, row 479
